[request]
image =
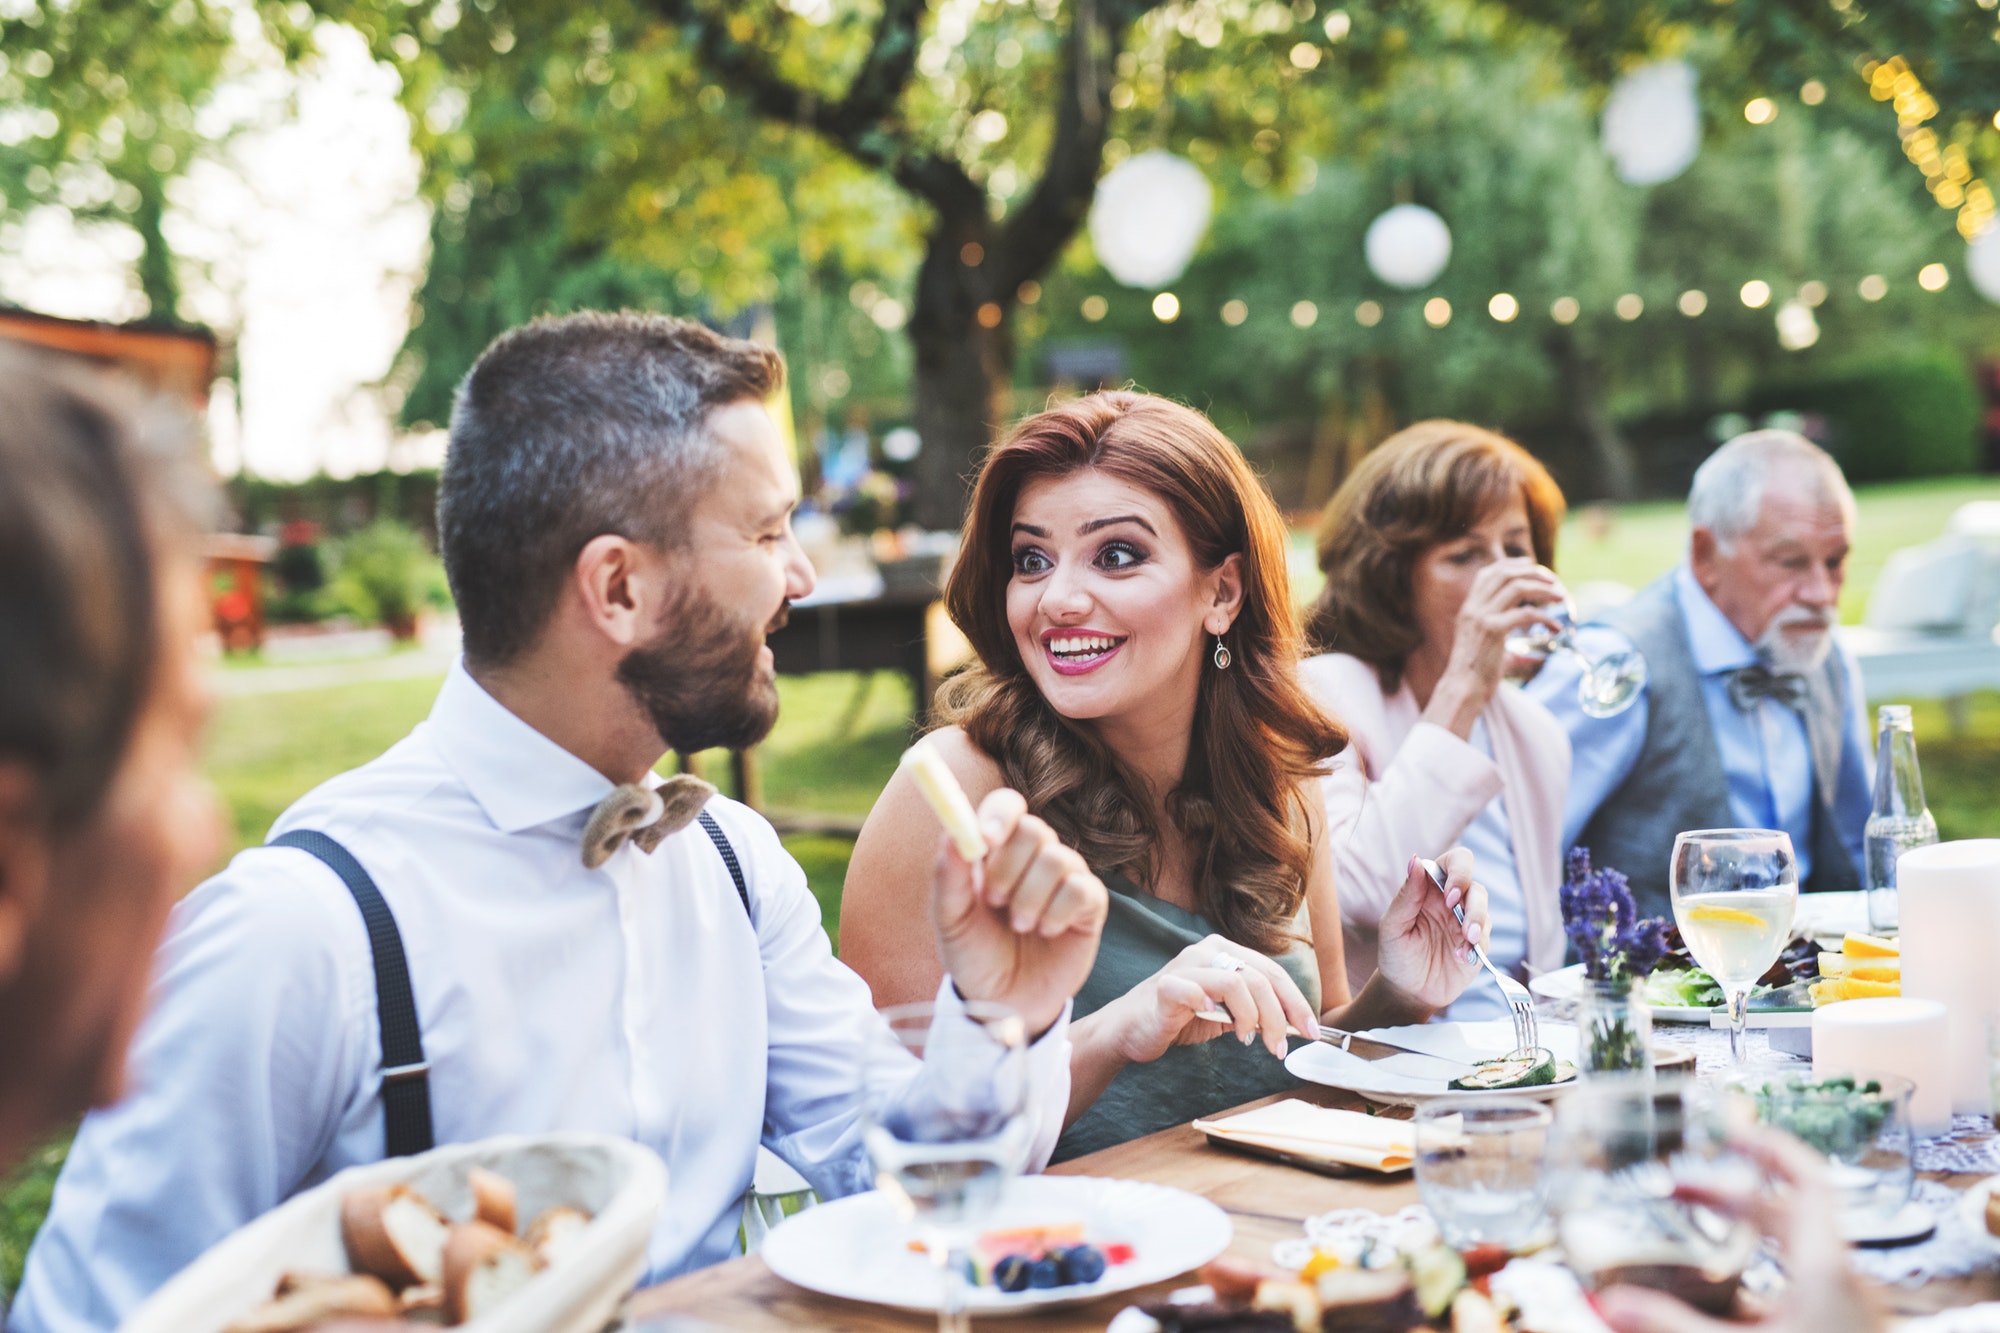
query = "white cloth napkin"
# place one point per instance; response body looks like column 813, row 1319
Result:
column 1373, row 1143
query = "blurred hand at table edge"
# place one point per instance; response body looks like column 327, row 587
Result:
column 1825, row 1294
column 1023, row 932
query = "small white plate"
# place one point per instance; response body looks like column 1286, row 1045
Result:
column 1972, row 1212
column 858, row 1248
column 1384, row 1081
column 1566, row 984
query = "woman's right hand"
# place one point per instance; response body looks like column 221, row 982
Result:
column 1260, row 997
column 1506, row 598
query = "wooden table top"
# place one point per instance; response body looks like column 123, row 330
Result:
column 1266, row 1201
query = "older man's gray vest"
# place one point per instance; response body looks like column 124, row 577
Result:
column 1678, row 782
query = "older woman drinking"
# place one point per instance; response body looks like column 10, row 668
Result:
column 1435, row 551
column 1122, row 581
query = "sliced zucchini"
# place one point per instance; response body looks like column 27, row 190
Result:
column 1521, row 1069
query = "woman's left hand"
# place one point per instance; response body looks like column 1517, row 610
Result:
column 1424, row 952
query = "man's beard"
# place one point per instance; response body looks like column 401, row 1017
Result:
column 1795, row 653
column 700, row 681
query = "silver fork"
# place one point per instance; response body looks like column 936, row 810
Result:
column 1518, row 1000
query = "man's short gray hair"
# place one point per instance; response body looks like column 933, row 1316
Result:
column 1728, row 488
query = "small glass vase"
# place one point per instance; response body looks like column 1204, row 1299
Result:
column 1614, row 1029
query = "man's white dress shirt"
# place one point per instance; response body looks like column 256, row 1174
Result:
column 636, row 999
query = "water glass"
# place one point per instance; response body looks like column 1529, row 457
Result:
column 1735, row 892
column 1859, row 1122
column 944, row 1137
column 1622, row 1147
column 1482, row 1168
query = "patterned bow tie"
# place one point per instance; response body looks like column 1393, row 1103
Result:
column 644, row 815
column 1752, row 684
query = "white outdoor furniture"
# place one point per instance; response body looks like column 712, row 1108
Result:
column 1930, row 628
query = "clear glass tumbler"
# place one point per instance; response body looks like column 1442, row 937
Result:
column 1482, row 1167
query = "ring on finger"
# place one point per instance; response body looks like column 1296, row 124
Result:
column 1225, row 961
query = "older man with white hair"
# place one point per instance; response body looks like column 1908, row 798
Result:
column 1752, row 714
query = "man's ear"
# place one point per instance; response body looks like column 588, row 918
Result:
column 1225, row 595
column 1704, row 553
column 617, row 580
column 24, row 862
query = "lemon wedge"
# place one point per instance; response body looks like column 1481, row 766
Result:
column 1735, row 916
column 1857, row 945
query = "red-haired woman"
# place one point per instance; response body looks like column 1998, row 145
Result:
column 1435, row 550
column 1123, row 582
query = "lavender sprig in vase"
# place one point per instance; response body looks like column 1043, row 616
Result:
column 1618, row 950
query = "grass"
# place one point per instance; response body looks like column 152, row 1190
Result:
column 838, row 736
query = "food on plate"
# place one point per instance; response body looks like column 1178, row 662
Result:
column 493, row 1198
column 1520, row 1069
column 1866, row 968
column 1473, row 1311
column 1438, row 1274
column 1343, row 1300
column 935, row 780
column 394, row 1233
column 1839, row 1115
column 1039, row 1257
column 1678, row 982
column 413, row 1263
column 306, row 1300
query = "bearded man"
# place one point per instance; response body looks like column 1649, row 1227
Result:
column 549, row 937
column 1752, row 715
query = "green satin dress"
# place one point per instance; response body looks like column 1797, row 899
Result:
column 1142, row 934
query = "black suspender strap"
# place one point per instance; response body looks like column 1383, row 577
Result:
column 406, row 1088
column 714, row 831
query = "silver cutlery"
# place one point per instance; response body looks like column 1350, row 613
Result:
column 1518, row 1000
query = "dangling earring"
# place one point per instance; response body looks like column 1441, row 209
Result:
column 1222, row 657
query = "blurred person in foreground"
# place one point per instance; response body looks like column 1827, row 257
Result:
column 1436, row 549
column 1122, row 580
column 1752, row 715
column 615, row 519
column 1824, row 1294
column 103, row 819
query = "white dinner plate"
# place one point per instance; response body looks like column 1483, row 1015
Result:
column 1386, row 1081
column 859, row 1249
column 1972, row 1212
column 1566, row 984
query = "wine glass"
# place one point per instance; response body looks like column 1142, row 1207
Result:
column 1609, row 685
column 1735, row 891
column 1624, row 1148
column 944, row 1142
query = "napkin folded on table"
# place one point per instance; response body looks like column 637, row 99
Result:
column 1350, row 1138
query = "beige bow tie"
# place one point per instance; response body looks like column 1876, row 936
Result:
column 643, row 814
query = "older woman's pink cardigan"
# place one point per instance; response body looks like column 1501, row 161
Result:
column 1404, row 787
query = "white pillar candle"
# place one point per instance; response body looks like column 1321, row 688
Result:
column 1950, row 900
column 1906, row 1037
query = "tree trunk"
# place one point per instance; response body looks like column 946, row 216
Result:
column 964, row 374
column 1582, row 379
column 156, row 261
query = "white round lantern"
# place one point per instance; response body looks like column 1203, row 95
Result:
column 1408, row 246
column 1150, row 213
column 1652, row 123
column 1982, row 262
column 1797, row 329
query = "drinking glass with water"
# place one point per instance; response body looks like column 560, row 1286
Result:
column 1610, row 684
column 1481, row 1168
column 944, row 1143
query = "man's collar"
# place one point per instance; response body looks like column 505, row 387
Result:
column 1717, row 644
column 520, row 777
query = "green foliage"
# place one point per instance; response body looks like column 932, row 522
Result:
column 1915, row 417
column 384, row 574
column 24, row 1202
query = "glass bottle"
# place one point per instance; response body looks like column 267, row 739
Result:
column 1899, row 820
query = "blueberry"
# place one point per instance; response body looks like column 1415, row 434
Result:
column 1085, row 1263
column 1045, row 1273
column 1011, row 1273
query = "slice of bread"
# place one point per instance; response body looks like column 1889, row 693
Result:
column 394, row 1233
column 483, row 1266
column 307, row 1300
column 555, row 1232
column 493, row 1199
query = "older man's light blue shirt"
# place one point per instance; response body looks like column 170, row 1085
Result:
column 1765, row 754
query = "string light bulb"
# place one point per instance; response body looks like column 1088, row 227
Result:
column 1304, row 314
column 1565, row 309
column 1166, row 307
column 1756, row 293
column 1760, row 111
column 1234, row 312
column 1693, row 301
column 1933, row 277
column 1503, row 307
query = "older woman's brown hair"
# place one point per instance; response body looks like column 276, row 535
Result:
column 1258, row 737
column 1423, row 485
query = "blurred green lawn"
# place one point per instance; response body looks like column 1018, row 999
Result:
column 838, row 737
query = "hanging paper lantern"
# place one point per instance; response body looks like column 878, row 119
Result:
column 1982, row 262
column 1408, row 246
column 1150, row 213
column 1652, row 123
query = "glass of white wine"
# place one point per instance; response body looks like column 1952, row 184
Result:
column 1609, row 685
column 944, row 1137
column 1735, row 891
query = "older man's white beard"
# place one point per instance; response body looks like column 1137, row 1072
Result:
column 1796, row 652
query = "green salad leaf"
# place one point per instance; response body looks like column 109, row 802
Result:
column 1689, row 988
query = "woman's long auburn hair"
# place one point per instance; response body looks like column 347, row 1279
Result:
column 1258, row 737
